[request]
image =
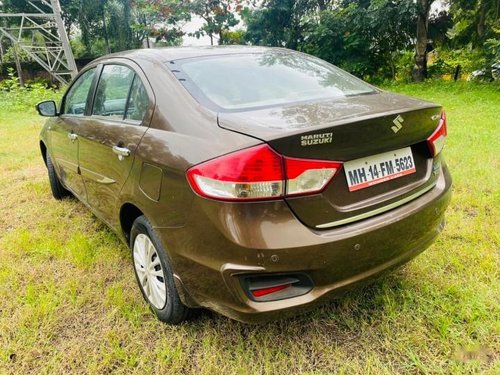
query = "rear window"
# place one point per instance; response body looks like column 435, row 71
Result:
column 241, row 81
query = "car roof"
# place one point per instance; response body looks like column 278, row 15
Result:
column 176, row 53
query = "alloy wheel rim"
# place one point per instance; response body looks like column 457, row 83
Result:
column 149, row 271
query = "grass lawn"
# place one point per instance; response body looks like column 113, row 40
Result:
column 69, row 303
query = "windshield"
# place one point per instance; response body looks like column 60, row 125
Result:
column 241, row 81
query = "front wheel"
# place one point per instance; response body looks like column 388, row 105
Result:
column 153, row 273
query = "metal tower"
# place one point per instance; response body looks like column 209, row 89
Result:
column 42, row 36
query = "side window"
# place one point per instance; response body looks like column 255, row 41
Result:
column 138, row 101
column 112, row 91
column 76, row 99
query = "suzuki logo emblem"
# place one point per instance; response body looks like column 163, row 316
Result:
column 398, row 123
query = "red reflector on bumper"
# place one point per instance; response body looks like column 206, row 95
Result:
column 266, row 291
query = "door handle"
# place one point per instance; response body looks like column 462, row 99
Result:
column 72, row 137
column 121, row 152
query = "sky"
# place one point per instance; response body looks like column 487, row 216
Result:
column 193, row 25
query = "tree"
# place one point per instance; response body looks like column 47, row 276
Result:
column 233, row 37
column 340, row 36
column 119, row 25
column 390, row 28
column 419, row 72
column 218, row 16
column 280, row 22
column 439, row 24
column 364, row 37
column 474, row 21
column 160, row 19
column 90, row 16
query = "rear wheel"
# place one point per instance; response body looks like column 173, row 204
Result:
column 153, row 273
column 58, row 190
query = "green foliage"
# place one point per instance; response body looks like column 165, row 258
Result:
column 440, row 67
column 276, row 23
column 469, row 60
column 404, row 65
column 439, row 24
column 78, row 48
column 374, row 39
column 474, row 21
column 233, row 37
column 23, row 100
column 9, row 56
column 492, row 48
column 12, row 83
column 161, row 20
column 98, row 47
column 364, row 37
column 218, row 17
column 119, row 25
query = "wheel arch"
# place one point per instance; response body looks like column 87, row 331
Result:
column 128, row 213
column 43, row 150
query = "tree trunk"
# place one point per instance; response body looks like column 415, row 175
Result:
column 127, row 16
column 82, row 21
column 18, row 65
column 482, row 20
column 221, row 38
column 419, row 72
column 393, row 67
column 105, row 30
column 1, row 51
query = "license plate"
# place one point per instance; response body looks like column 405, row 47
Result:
column 373, row 170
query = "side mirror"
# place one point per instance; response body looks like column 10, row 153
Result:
column 47, row 108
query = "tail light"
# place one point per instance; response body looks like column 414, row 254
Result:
column 437, row 139
column 305, row 176
column 258, row 173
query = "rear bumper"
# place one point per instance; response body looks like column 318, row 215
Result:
column 223, row 241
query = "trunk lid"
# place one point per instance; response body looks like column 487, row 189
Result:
column 344, row 130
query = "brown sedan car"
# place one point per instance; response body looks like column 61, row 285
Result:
column 256, row 182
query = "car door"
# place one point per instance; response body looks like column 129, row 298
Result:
column 122, row 108
column 63, row 132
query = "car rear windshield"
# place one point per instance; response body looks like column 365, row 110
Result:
column 243, row 81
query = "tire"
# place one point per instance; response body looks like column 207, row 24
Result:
column 58, row 190
column 154, row 274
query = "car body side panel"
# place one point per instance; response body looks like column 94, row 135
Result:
column 174, row 153
column 150, row 181
column 182, row 133
column 104, row 172
column 64, row 153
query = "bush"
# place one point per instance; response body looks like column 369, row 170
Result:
column 23, row 99
column 404, row 66
column 468, row 59
column 439, row 68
